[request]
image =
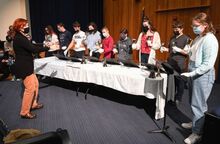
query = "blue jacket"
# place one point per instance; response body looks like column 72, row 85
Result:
column 206, row 54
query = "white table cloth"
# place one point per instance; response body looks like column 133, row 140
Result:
column 130, row 80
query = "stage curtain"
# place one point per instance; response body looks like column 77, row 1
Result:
column 51, row 12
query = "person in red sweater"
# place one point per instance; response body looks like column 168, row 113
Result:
column 107, row 43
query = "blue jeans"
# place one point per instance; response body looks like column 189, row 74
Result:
column 199, row 94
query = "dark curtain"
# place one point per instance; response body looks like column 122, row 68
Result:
column 51, row 12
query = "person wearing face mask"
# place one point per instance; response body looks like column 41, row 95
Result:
column 4, row 68
column 93, row 40
column 24, row 67
column 107, row 43
column 202, row 56
column 176, row 58
column 10, row 55
column 8, row 45
column 148, row 41
column 77, row 43
column 123, row 46
column 65, row 37
column 7, row 55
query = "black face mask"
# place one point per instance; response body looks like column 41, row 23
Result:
column 176, row 33
column 145, row 29
column 8, row 38
column 90, row 31
column 26, row 30
column 122, row 36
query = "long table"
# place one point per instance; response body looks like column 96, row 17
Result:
column 129, row 80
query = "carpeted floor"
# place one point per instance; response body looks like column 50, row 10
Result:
column 105, row 117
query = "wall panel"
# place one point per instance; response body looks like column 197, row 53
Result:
column 127, row 13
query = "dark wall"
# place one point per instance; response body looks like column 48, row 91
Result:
column 51, row 12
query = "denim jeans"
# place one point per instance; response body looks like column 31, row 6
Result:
column 199, row 93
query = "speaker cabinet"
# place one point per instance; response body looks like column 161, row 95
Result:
column 211, row 129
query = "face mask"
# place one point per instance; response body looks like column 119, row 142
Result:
column 90, row 31
column 104, row 34
column 145, row 29
column 176, row 33
column 26, row 30
column 122, row 36
column 8, row 38
column 197, row 30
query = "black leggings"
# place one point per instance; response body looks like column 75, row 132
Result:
column 144, row 58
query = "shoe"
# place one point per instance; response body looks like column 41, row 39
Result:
column 192, row 139
column 177, row 102
column 29, row 116
column 187, row 125
column 38, row 106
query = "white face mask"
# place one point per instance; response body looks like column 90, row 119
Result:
column 105, row 34
column 197, row 30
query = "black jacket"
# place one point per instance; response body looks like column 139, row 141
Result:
column 24, row 49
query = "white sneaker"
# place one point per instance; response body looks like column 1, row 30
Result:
column 192, row 139
column 187, row 125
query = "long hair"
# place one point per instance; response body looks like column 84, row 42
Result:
column 50, row 30
column 152, row 28
column 10, row 32
column 203, row 18
column 19, row 24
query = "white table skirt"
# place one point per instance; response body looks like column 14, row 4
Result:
column 130, row 80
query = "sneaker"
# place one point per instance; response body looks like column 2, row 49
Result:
column 177, row 102
column 187, row 125
column 192, row 139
